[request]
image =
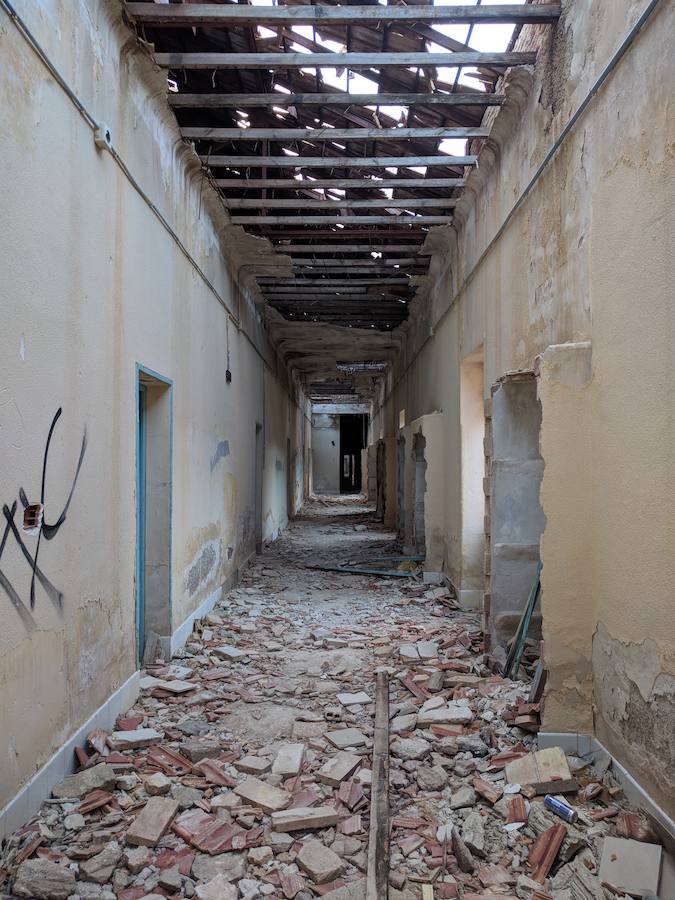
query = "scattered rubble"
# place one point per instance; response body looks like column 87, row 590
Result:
column 243, row 771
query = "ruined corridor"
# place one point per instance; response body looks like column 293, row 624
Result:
column 336, row 449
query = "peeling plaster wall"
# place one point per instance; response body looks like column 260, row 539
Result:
column 586, row 261
column 92, row 284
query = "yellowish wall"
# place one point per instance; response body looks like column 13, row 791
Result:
column 93, row 285
column 587, row 258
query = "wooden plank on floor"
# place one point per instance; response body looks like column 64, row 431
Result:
column 377, row 880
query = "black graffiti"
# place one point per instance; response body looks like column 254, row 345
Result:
column 47, row 530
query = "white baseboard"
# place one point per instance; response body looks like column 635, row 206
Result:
column 31, row 796
column 586, row 745
column 183, row 632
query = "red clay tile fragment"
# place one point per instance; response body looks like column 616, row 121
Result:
column 170, row 762
column 291, row 885
column 95, row 800
column 545, row 850
column 212, row 770
column 486, row 789
column 131, row 723
column 517, row 811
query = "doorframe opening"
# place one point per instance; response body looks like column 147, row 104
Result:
column 154, row 482
column 473, row 470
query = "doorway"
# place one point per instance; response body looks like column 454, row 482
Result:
column 258, row 487
column 516, row 516
column 380, row 480
column 400, row 488
column 472, row 428
column 153, row 511
column 352, row 442
column 420, row 489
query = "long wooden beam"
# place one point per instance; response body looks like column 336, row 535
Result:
column 291, row 280
column 319, row 265
column 377, row 873
column 379, row 203
column 305, row 249
column 323, row 295
column 203, row 133
column 351, row 61
column 227, row 14
column 348, row 220
column 373, row 184
column 362, row 270
column 239, row 101
column 335, row 162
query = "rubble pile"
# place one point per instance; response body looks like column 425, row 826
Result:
column 244, row 769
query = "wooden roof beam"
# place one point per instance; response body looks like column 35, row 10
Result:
column 335, row 162
column 304, row 203
column 304, row 249
column 347, row 220
column 226, row 15
column 316, row 281
column 239, row 101
column 329, row 134
column 350, row 184
column 354, row 61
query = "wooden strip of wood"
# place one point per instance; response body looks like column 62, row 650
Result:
column 334, row 162
column 373, row 184
column 241, row 101
column 347, row 220
column 225, row 15
column 304, row 249
column 354, row 61
column 375, row 203
column 377, row 879
column 207, row 133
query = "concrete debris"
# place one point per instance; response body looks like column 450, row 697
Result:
column 45, row 880
column 631, row 866
column 244, row 768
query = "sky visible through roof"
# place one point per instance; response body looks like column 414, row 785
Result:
column 485, row 38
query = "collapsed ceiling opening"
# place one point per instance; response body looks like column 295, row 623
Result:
column 341, row 133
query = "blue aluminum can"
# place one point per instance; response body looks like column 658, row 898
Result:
column 560, row 809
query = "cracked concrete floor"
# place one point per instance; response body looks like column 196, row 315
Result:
column 243, row 770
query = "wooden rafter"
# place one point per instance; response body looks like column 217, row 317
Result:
column 227, row 15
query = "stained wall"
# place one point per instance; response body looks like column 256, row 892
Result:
column 93, row 286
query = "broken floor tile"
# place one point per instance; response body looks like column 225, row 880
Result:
column 304, row 818
column 320, row 863
column 288, row 760
column 258, row 793
column 346, row 737
column 152, row 822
